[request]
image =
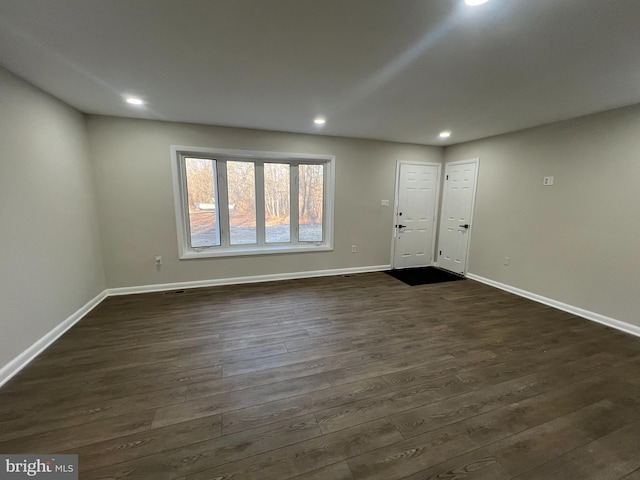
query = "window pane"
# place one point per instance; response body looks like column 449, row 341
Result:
column 311, row 200
column 201, row 198
column 276, row 202
column 241, row 182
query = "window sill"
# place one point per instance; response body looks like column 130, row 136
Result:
column 252, row 250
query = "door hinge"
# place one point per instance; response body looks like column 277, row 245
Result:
column 447, row 177
column 440, row 252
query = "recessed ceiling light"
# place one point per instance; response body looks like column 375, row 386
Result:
column 475, row 3
column 445, row 134
column 134, row 101
column 319, row 120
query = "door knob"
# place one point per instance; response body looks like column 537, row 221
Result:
column 466, row 225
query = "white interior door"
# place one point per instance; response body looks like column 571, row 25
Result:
column 415, row 214
column 457, row 212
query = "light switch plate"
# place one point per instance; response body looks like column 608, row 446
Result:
column 384, row 203
column 548, row 181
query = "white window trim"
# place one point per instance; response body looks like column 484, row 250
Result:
column 185, row 252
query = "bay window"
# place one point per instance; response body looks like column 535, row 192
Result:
column 234, row 202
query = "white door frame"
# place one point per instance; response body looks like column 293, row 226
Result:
column 435, row 212
column 471, row 215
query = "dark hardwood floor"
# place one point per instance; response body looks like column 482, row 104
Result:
column 337, row 378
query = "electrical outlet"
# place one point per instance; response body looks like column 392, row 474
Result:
column 384, row 203
column 507, row 261
column 548, row 181
column 353, row 249
column 158, row 259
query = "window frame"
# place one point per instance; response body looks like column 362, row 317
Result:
column 178, row 169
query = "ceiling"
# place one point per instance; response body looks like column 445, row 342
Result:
column 400, row 70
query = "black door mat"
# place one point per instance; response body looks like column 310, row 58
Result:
column 423, row 275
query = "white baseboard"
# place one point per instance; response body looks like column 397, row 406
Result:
column 580, row 312
column 163, row 287
column 9, row 370
column 14, row 366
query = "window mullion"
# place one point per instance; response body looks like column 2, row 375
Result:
column 260, row 215
column 223, row 204
column 294, row 213
column 185, row 202
column 216, row 199
column 325, row 185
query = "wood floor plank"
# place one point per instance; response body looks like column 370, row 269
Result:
column 391, row 403
column 476, row 465
column 206, row 406
column 610, row 457
column 410, row 456
column 433, row 416
column 522, row 415
column 91, row 394
column 192, row 347
column 337, row 378
column 262, row 377
column 78, row 436
column 181, row 461
column 635, row 475
column 337, row 471
column 527, row 450
column 308, row 455
column 149, row 442
column 421, row 369
column 275, row 361
column 252, row 417
column 629, row 372
column 421, row 346
column 35, row 422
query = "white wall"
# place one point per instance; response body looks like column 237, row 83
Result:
column 50, row 254
column 135, row 199
column 576, row 242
